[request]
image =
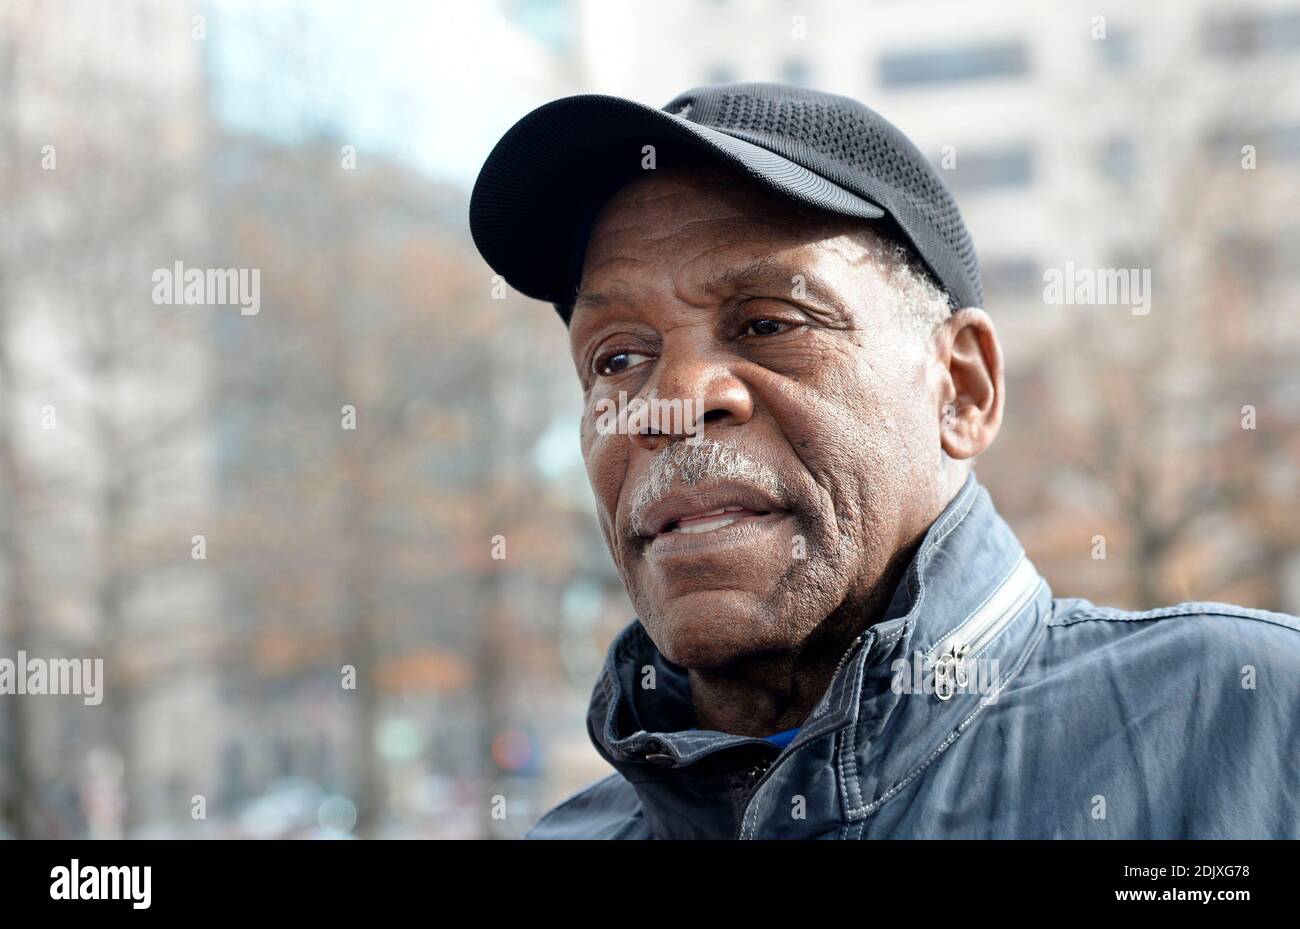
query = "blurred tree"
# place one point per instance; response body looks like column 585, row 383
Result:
column 18, row 806
column 1174, row 435
column 101, row 389
column 369, row 545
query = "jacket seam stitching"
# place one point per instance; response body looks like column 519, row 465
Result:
column 848, row 762
column 953, row 736
column 1116, row 615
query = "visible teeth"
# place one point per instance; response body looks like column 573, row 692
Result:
column 708, row 525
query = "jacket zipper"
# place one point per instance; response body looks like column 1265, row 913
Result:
column 954, row 648
column 950, row 671
column 864, row 636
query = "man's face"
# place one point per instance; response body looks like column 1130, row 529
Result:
column 820, row 398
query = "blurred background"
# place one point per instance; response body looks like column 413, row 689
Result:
column 180, row 494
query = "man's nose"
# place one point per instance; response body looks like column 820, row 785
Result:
column 709, row 390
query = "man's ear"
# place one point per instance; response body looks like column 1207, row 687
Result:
column 972, row 386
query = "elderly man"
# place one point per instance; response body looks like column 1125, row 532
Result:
column 838, row 637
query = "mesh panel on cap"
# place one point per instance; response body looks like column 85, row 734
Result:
column 834, row 137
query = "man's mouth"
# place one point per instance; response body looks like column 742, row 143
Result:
column 708, row 522
column 699, row 511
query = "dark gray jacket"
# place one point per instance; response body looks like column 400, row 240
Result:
column 980, row 707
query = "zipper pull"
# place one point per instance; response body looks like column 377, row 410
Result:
column 960, row 655
column 950, row 672
column 945, row 684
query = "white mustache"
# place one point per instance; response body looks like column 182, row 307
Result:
column 683, row 463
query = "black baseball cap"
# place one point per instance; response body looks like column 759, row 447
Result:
column 541, row 187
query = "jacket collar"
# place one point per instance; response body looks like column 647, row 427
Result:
column 968, row 585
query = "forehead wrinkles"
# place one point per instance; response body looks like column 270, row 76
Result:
column 664, row 223
column 642, row 239
column 690, row 253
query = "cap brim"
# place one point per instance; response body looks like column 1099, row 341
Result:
column 544, row 182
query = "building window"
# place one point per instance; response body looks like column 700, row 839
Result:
column 1253, row 34
column 1010, row 278
column 949, row 65
column 1283, row 142
column 1118, row 50
column 1118, row 159
column 720, row 74
column 1280, row 142
column 990, row 168
column 796, row 71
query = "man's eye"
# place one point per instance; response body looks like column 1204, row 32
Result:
column 619, row 362
column 766, row 327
